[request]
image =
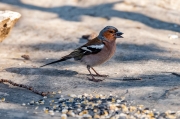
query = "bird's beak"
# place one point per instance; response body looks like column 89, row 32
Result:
column 118, row 35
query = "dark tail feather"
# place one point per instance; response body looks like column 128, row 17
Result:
column 62, row 59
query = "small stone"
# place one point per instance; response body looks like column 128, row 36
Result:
column 118, row 101
column 113, row 117
column 146, row 111
column 41, row 101
column 124, row 108
column 122, row 116
column 132, row 117
column 112, row 106
column 113, row 100
column 51, row 112
column 173, row 36
column 45, row 97
column 63, row 116
column 53, row 93
column 178, row 113
column 87, row 116
column 83, row 112
column 71, row 113
column 103, row 113
column 79, row 96
column 140, row 107
column 96, row 116
column 59, row 92
column 51, row 101
column 32, row 102
column 64, row 111
column 97, row 96
column 71, row 99
column 156, row 114
column 55, row 106
column 122, row 98
column 23, row 104
column 36, row 107
column 37, row 103
column 56, row 110
column 46, row 111
column 132, row 108
column 170, row 116
column 151, row 114
column 34, row 112
column 85, row 94
column 72, row 95
column 46, row 108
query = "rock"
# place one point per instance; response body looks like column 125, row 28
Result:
column 7, row 21
column 122, row 116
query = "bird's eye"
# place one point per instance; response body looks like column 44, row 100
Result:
column 111, row 31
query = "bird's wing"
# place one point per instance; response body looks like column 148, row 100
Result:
column 92, row 47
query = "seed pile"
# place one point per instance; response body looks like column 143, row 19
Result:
column 99, row 106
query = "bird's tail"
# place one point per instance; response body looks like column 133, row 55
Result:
column 62, row 59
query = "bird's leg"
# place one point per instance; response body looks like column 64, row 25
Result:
column 93, row 79
column 97, row 74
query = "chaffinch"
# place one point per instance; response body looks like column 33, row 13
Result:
column 95, row 51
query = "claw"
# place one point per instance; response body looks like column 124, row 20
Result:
column 93, row 79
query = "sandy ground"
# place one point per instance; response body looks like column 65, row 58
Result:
column 49, row 30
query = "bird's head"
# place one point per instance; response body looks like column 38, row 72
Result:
column 110, row 33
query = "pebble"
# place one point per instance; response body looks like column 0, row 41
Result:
column 23, row 104
column 122, row 116
column 64, row 111
column 173, row 36
column 59, row 92
column 36, row 107
column 51, row 112
column 41, row 101
column 31, row 102
column 71, row 113
column 63, row 116
column 72, row 95
column 87, row 116
column 132, row 108
column 3, row 99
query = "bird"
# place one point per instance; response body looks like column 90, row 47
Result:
column 96, row 51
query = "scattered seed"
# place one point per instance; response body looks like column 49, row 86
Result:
column 100, row 106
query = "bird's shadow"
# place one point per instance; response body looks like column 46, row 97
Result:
column 41, row 71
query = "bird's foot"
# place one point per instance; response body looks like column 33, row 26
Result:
column 95, row 80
